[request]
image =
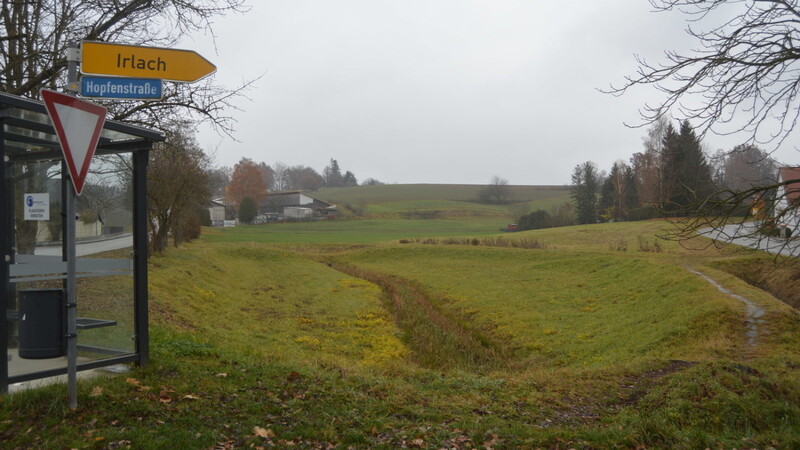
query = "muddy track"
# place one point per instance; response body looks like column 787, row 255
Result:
column 437, row 340
column 753, row 313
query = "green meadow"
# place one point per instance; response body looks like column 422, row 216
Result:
column 433, row 201
column 397, row 332
column 387, row 193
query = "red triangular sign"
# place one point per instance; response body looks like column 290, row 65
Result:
column 78, row 125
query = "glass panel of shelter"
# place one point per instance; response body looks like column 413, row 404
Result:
column 105, row 286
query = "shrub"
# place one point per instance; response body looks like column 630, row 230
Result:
column 618, row 243
column 643, row 213
column 646, row 246
column 535, row 220
column 248, row 210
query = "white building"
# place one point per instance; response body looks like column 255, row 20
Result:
column 216, row 212
column 787, row 201
column 297, row 213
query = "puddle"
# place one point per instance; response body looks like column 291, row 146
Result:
column 753, row 312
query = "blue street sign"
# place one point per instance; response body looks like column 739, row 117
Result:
column 121, row 88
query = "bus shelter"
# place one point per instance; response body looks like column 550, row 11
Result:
column 111, row 230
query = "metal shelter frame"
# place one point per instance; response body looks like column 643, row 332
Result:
column 27, row 136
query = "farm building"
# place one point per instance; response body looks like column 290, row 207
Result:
column 287, row 203
column 787, row 200
column 297, row 213
column 216, row 212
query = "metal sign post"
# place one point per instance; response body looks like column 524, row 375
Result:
column 77, row 125
column 71, row 300
column 69, row 257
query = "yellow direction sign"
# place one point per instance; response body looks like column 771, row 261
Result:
column 103, row 58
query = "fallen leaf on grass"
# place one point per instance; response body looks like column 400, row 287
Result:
column 133, row 381
column 191, row 397
column 416, row 443
column 294, row 376
column 265, row 433
column 489, row 445
column 221, row 375
column 96, row 392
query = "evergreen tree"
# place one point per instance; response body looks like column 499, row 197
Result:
column 248, row 210
column 585, row 183
column 349, row 179
column 606, row 205
column 618, row 193
column 687, row 172
column 631, row 199
column 333, row 175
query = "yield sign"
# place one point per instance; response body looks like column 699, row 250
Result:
column 78, row 125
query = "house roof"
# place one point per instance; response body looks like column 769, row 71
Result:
column 791, row 175
column 288, row 198
column 288, row 193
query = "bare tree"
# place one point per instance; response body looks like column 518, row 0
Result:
column 281, row 177
column 743, row 77
column 648, row 165
column 518, row 210
column 497, row 191
column 178, row 179
column 33, row 41
column 747, row 166
column 36, row 34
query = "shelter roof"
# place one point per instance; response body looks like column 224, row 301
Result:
column 28, row 133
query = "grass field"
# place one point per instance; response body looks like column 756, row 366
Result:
column 392, row 333
column 432, row 201
column 426, row 192
column 354, row 231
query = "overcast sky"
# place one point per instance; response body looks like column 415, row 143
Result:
column 440, row 91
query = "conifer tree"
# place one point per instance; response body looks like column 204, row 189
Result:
column 585, row 183
column 687, row 173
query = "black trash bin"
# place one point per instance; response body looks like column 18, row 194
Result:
column 41, row 323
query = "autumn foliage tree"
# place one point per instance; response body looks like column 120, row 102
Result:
column 247, row 180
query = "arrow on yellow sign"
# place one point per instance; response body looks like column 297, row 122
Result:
column 103, row 58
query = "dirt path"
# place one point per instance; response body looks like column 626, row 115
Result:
column 753, row 312
column 437, row 339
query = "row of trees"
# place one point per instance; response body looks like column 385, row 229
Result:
column 248, row 183
column 673, row 176
column 740, row 77
column 251, row 179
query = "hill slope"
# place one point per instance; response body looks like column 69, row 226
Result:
column 286, row 338
column 419, row 192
